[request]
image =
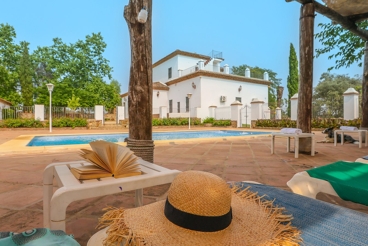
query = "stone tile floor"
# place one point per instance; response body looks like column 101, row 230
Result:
column 234, row 159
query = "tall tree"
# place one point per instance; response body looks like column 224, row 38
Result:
column 350, row 47
column 8, row 65
column 328, row 94
column 257, row 72
column 25, row 72
column 293, row 77
column 78, row 68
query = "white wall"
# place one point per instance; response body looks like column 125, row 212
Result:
column 178, row 93
column 213, row 88
column 160, row 72
column 158, row 101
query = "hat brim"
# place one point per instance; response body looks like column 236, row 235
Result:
column 255, row 222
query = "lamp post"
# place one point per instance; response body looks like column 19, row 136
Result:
column 189, row 95
column 50, row 87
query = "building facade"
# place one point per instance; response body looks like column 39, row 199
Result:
column 188, row 82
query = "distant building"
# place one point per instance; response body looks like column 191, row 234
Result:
column 210, row 83
column 4, row 104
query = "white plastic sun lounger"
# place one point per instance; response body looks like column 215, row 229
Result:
column 303, row 184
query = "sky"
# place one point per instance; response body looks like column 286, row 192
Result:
column 256, row 33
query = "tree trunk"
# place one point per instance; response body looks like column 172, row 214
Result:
column 364, row 123
column 140, row 81
column 306, row 35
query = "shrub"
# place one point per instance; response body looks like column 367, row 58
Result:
column 17, row 123
column 316, row 123
column 208, row 120
column 69, row 122
column 221, row 123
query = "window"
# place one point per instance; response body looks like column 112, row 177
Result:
column 170, row 72
column 170, row 106
column 178, row 107
column 187, row 104
column 238, row 99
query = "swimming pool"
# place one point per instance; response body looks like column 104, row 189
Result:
column 85, row 139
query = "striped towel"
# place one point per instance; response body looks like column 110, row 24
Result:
column 348, row 128
column 291, row 130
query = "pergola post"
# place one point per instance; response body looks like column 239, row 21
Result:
column 364, row 123
column 140, row 81
column 306, row 35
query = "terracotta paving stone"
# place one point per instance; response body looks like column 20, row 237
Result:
column 19, row 177
column 6, row 187
column 21, row 198
column 233, row 159
column 21, row 221
column 4, row 212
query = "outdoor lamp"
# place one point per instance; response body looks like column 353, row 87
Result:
column 240, row 88
column 158, row 93
column 189, row 95
column 50, row 87
column 142, row 16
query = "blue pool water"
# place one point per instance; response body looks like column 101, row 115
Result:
column 85, row 139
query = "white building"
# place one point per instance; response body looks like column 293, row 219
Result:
column 3, row 105
column 212, row 86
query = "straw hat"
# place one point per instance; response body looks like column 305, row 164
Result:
column 201, row 209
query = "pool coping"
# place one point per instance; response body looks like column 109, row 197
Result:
column 19, row 144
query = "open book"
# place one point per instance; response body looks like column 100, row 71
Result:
column 107, row 160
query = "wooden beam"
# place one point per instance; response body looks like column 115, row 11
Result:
column 345, row 22
column 364, row 122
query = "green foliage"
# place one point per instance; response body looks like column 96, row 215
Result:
column 175, row 122
column 21, row 123
column 9, row 53
column 221, row 123
column 78, row 68
column 293, row 77
column 328, row 94
column 69, row 122
column 26, row 71
column 319, row 123
column 258, row 72
column 208, row 120
column 350, row 47
column 73, row 103
column 276, row 123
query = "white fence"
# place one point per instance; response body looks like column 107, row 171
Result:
column 223, row 113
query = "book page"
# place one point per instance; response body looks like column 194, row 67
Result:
column 102, row 150
column 92, row 157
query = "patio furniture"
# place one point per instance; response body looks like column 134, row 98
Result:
column 296, row 137
column 339, row 177
column 321, row 223
column 71, row 189
column 360, row 132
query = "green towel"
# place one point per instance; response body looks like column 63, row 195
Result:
column 349, row 179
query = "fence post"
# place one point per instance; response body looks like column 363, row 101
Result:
column 351, row 104
column 294, row 107
column 212, row 113
column 99, row 113
column 119, row 114
column 278, row 113
column 163, row 112
column 235, row 114
column 256, row 109
column 39, row 112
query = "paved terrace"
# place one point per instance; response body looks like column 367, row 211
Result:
column 234, row 159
